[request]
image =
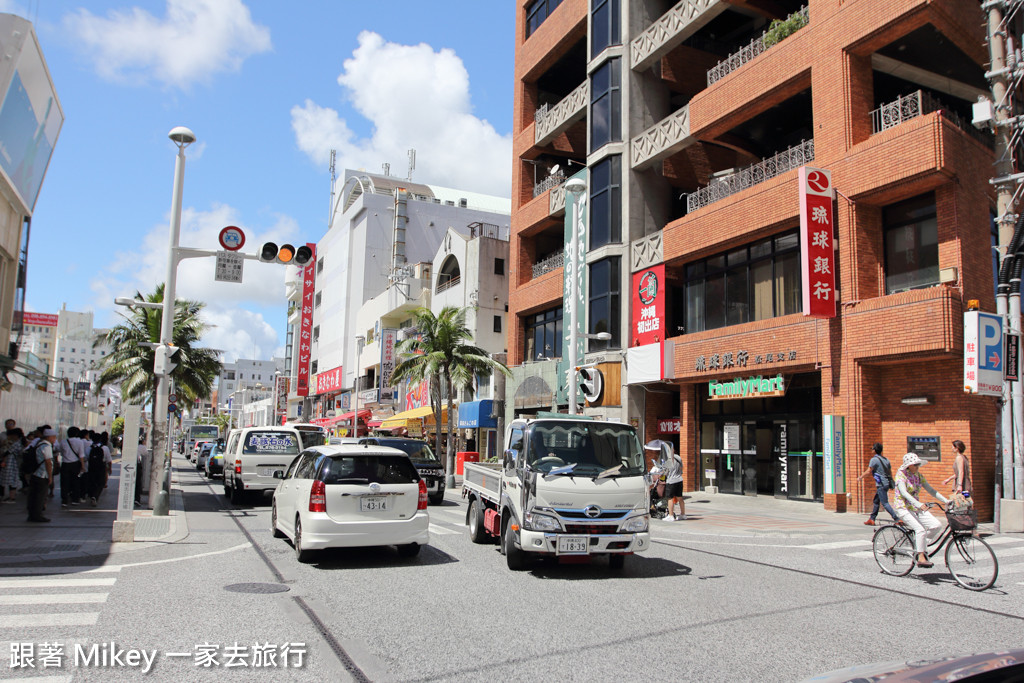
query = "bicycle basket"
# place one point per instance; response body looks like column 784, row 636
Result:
column 964, row 520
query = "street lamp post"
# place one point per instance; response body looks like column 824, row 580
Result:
column 355, row 387
column 574, row 187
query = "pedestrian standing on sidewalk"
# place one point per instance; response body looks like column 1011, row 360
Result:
column 880, row 469
column 673, row 481
column 961, row 477
column 97, row 469
column 70, row 468
column 41, row 478
column 11, row 463
column 914, row 513
column 108, row 457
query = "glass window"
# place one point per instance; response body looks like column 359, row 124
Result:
column 604, row 303
column 499, row 266
column 606, row 202
column 544, row 335
column 911, row 244
column 604, row 26
column 497, row 323
column 762, row 281
column 605, row 105
column 363, row 469
column 537, row 11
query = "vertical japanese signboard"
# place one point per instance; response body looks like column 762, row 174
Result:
column 282, row 398
column 574, row 284
column 388, row 337
column 983, row 353
column 834, row 438
column 306, row 327
column 649, row 305
column 817, row 250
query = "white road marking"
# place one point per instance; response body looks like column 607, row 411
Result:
column 442, row 531
column 1011, row 568
column 53, row 583
column 837, row 544
column 862, row 553
column 24, row 571
column 43, row 679
column 53, row 598
column 1002, row 540
column 232, row 549
column 1008, row 552
column 48, row 620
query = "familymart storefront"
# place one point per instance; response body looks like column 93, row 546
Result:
column 761, row 435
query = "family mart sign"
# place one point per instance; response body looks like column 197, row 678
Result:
column 751, row 387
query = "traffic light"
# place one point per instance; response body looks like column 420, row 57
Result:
column 163, row 362
column 591, row 383
column 285, row 254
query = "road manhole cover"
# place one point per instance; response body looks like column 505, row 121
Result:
column 256, row 588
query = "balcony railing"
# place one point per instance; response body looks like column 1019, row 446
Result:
column 720, row 188
column 916, row 104
column 553, row 262
column 552, row 120
column 553, row 180
column 672, row 28
column 447, row 284
column 758, row 45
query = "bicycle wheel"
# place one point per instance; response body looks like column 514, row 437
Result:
column 971, row 562
column 894, row 550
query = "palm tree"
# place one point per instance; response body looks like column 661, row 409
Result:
column 439, row 353
column 133, row 342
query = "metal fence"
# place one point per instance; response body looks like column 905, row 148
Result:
column 747, row 53
column 553, row 180
column 720, row 188
column 919, row 103
column 553, row 262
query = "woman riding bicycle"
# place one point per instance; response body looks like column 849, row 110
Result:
column 913, row 512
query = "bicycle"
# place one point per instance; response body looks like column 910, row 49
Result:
column 969, row 559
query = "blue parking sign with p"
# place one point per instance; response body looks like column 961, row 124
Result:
column 990, row 342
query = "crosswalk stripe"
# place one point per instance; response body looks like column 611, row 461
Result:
column 862, row 553
column 837, row 544
column 28, row 571
column 43, row 679
column 1011, row 568
column 53, row 598
column 442, row 531
column 54, row 583
column 49, row 620
column 1000, row 540
column 1009, row 552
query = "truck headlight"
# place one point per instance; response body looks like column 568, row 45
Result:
column 536, row 521
column 636, row 524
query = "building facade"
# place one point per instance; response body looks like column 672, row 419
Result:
column 691, row 121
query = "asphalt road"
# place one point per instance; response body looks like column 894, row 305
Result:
column 697, row 607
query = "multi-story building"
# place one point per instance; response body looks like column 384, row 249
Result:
column 689, row 121
column 247, row 373
column 39, row 337
column 379, row 226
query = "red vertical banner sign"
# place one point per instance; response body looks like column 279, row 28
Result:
column 648, row 306
column 817, row 247
column 306, row 327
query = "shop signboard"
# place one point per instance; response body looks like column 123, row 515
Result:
column 817, row 248
column 388, row 338
column 414, row 427
column 781, row 453
column 668, row 425
column 281, row 392
column 834, row 442
column 1012, row 372
column 417, row 395
column 367, row 396
column 649, row 305
column 306, row 326
column 732, row 437
column 41, row 319
column 983, row 353
column 751, row 387
column 925, row 447
column 329, row 381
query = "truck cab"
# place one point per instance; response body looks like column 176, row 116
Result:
column 566, row 486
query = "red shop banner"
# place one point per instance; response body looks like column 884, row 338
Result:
column 648, row 306
column 329, row 381
column 668, row 425
column 306, row 328
column 817, row 248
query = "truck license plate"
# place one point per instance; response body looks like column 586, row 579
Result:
column 573, row 545
column 373, row 504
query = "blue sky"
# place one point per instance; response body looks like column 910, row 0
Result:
column 268, row 88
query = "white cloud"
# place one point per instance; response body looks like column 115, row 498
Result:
column 229, row 306
column 195, row 40
column 414, row 97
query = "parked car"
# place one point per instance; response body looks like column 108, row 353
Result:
column 430, row 468
column 194, row 453
column 252, row 456
column 351, row 496
column 215, row 461
column 204, row 453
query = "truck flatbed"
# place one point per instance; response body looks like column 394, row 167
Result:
column 483, row 478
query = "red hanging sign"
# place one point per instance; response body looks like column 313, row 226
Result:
column 648, row 306
column 306, row 328
column 817, row 248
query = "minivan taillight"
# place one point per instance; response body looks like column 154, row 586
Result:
column 318, row 497
column 238, row 466
column 423, row 496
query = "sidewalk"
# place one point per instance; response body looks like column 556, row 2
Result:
column 83, row 531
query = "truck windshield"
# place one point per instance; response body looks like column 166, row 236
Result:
column 592, row 447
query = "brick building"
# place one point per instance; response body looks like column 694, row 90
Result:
column 689, row 121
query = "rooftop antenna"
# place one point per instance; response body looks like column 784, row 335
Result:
column 387, row 168
column 412, row 163
column 334, row 179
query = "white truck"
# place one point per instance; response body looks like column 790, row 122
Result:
column 566, row 486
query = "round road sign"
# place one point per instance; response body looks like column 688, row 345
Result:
column 232, row 238
column 173, row 398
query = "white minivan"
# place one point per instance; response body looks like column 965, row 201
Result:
column 350, row 496
column 252, row 456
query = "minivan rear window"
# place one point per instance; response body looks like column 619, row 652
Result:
column 368, row 469
column 271, row 443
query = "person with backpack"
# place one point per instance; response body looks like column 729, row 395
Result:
column 880, row 469
column 71, row 468
column 97, row 469
column 37, row 465
column 10, row 471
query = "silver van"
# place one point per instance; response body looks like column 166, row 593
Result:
column 252, row 456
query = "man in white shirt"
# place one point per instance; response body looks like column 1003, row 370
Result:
column 42, row 477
